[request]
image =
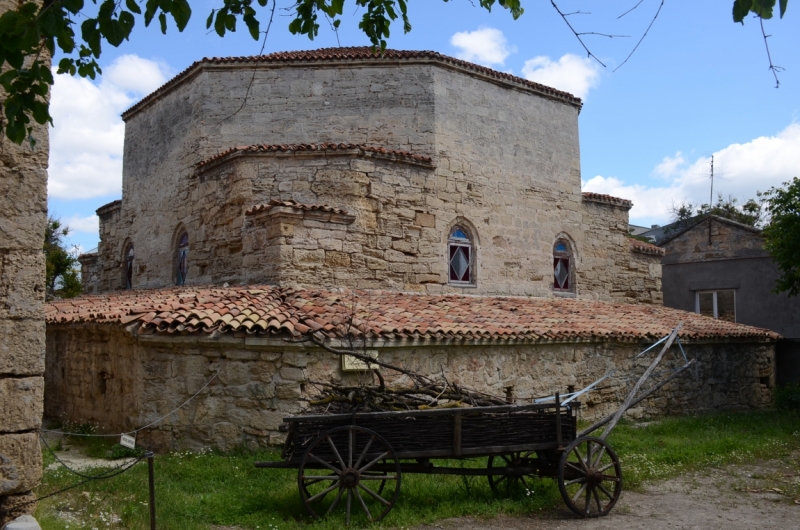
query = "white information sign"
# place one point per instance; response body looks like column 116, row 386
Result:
column 128, row 441
column 352, row 364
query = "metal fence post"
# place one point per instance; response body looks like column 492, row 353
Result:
column 151, row 480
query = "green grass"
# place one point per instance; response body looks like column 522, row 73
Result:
column 200, row 491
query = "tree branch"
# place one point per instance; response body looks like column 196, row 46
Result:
column 577, row 35
column 631, row 9
column 643, row 36
column 773, row 68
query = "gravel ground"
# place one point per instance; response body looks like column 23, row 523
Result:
column 763, row 495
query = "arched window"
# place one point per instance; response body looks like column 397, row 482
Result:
column 129, row 256
column 562, row 272
column 183, row 259
column 461, row 257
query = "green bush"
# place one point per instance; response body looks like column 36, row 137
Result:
column 787, row 397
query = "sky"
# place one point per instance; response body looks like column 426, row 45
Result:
column 697, row 86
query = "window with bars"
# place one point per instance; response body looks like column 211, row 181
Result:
column 716, row 304
column 461, row 257
column 182, row 259
column 561, row 267
column 129, row 257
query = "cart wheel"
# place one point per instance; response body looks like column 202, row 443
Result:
column 590, row 477
column 349, row 466
column 510, row 485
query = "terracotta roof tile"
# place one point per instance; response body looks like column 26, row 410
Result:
column 645, row 248
column 359, row 53
column 607, row 199
column 321, row 148
column 268, row 310
column 296, row 205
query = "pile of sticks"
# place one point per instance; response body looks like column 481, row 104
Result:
column 419, row 393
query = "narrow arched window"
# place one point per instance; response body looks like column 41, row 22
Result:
column 462, row 257
column 129, row 256
column 183, row 259
column 561, row 266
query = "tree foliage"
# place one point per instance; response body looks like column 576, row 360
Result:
column 782, row 234
column 34, row 32
column 750, row 213
column 61, row 264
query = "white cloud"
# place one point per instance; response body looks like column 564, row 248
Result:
column 486, row 46
column 570, row 73
column 669, row 166
column 740, row 171
column 86, row 140
column 89, row 224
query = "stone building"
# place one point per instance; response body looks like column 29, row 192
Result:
column 23, row 214
column 406, row 171
column 127, row 359
column 429, row 204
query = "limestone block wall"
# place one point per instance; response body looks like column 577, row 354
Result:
column 23, row 215
column 398, row 235
column 728, row 240
column 607, row 266
column 259, row 381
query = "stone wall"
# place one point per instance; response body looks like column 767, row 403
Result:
column 505, row 165
column 728, row 240
column 23, row 214
column 259, row 381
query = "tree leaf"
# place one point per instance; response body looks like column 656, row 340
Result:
column 133, row 6
column 162, row 19
column 210, row 19
column 784, row 4
column 763, row 8
column 741, row 8
column 181, row 13
column 252, row 25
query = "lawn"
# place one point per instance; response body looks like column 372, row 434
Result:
column 201, row 491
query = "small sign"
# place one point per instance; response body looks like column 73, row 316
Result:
column 128, row 441
column 354, row 364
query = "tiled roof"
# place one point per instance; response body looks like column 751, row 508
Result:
column 108, row 207
column 645, row 248
column 607, row 199
column 268, row 310
column 323, row 147
column 296, row 205
column 359, row 53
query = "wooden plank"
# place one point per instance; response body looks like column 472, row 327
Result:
column 417, row 413
column 457, row 434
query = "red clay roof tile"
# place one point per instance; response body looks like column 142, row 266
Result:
column 645, row 248
column 607, row 199
column 390, row 315
column 296, row 205
column 321, row 148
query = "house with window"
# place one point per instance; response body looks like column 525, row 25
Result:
column 718, row 267
column 407, row 171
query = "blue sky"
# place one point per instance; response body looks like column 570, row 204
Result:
column 697, row 86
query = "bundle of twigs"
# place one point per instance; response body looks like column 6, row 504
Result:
column 421, row 391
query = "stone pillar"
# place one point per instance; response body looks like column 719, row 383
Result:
column 23, row 215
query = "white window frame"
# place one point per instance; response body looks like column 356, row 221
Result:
column 714, row 298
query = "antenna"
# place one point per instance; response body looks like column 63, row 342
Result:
column 711, row 200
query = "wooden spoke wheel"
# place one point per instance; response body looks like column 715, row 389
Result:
column 348, row 468
column 590, row 477
column 516, row 483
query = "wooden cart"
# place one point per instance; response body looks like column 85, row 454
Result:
column 356, row 461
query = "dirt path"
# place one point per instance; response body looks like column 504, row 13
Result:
column 731, row 498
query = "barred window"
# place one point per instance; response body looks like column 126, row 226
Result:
column 182, row 259
column 561, row 267
column 461, row 257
